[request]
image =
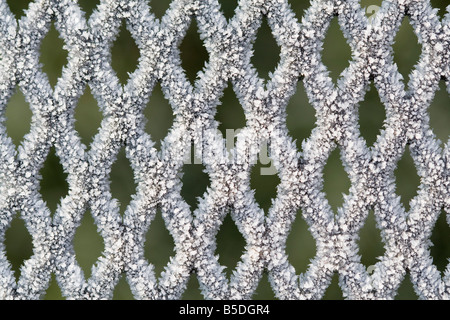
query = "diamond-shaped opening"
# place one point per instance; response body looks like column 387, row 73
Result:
column 125, row 54
column 17, row 7
column 336, row 182
column 53, row 55
column 441, row 5
column 266, row 51
column 53, row 291
column 370, row 243
column 440, row 113
column 264, row 289
column 159, row 116
column 122, row 290
column 406, row 290
column 193, row 291
column 371, row 7
column 54, row 185
column 334, row 291
column 336, row 55
column 192, row 52
column 406, row 48
column 440, row 238
column 88, row 117
column 300, row 245
column 299, row 7
column 230, row 116
column 123, row 186
column 159, row 8
column 407, row 180
column 88, row 244
column 88, row 6
column 230, row 245
column 18, row 117
column 18, row 244
column 159, row 245
column 371, row 116
column 228, row 7
column 301, row 116
column 195, row 181
column 366, row 3
column 264, row 180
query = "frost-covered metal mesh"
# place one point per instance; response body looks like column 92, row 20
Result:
column 405, row 234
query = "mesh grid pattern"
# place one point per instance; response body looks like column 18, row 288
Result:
column 405, row 234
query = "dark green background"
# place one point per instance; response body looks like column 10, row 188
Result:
column 159, row 245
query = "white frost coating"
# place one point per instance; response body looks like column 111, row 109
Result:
column 157, row 173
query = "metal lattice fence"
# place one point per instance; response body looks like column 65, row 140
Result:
column 156, row 170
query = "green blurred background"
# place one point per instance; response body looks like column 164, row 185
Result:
column 300, row 121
